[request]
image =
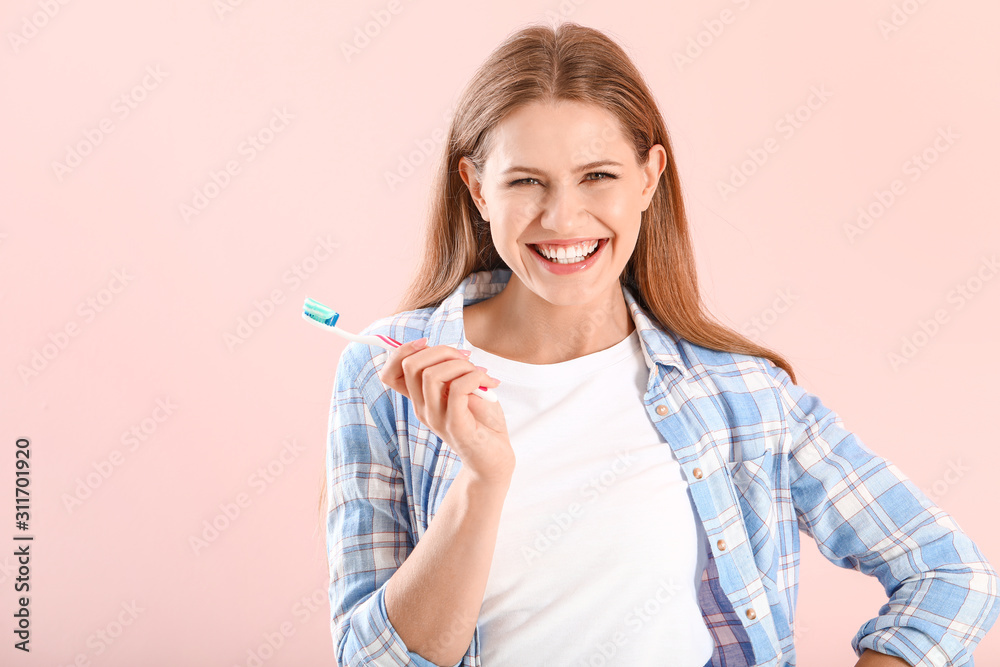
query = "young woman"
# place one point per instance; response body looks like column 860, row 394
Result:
column 635, row 496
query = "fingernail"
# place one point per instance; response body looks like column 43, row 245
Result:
column 466, row 352
column 482, row 368
column 420, row 342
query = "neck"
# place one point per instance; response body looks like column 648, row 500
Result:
column 520, row 325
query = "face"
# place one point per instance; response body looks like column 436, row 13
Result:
column 563, row 174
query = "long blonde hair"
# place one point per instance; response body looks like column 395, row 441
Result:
column 570, row 62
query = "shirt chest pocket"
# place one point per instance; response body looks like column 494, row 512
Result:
column 753, row 482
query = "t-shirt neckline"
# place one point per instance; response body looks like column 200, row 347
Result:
column 519, row 372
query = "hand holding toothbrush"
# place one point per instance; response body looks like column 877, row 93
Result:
column 438, row 381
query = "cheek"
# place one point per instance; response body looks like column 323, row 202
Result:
column 523, row 208
column 612, row 206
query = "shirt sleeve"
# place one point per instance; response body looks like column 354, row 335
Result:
column 865, row 514
column 368, row 531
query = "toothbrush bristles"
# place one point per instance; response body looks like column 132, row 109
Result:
column 317, row 311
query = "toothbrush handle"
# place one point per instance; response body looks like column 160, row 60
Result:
column 391, row 343
column 387, row 343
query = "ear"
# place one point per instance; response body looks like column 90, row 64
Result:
column 471, row 178
column 656, row 162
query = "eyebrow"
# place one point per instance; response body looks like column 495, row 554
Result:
column 585, row 167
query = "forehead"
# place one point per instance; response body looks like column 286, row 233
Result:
column 556, row 134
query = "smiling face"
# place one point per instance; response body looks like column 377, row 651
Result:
column 563, row 174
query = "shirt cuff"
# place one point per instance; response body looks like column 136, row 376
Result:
column 912, row 645
column 380, row 644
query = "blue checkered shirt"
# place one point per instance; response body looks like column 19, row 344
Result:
column 764, row 460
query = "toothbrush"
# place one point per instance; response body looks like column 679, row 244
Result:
column 316, row 313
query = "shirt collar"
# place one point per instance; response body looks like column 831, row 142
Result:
column 446, row 326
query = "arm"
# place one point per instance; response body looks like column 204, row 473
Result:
column 872, row 659
column 435, row 597
column 865, row 514
column 368, row 530
column 392, row 602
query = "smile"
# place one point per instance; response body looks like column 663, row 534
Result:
column 577, row 258
column 571, row 254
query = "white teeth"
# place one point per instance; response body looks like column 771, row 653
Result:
column 568, row 255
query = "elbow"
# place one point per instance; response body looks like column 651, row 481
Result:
column 987, row 582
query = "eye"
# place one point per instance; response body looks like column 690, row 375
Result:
column 606, row 176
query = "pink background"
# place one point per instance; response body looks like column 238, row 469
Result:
column 161, row 333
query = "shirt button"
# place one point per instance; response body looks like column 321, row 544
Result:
column 751, row 614
column 697, row 473
column 721, row 544
column 662, row 409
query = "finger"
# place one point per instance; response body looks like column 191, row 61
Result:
column 459, row 417
column 468, row 384
column 416, row 364
column 434, row 384
column 391, row 373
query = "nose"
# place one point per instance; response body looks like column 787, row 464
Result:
column 563, row 209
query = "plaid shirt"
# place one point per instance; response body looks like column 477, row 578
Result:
column 764, row 459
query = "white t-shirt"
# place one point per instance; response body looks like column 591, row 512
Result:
column 599, row 553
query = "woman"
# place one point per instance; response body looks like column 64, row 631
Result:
column 635, row 497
